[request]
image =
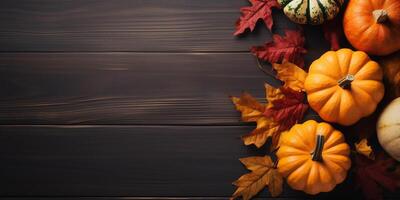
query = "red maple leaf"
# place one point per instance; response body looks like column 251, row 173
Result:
column 288, row 110
column 290, row 48
column 259, row 9
column 372, row 176
column 333, row 32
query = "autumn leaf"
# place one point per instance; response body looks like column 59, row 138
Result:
column 289, row 110
column 371, row 176
column 363, row 148
column 272, row 94
column 275, row 182
column 266, row 128
column 290, row 48
column 259, row 9
column 250, row 108
column 285, row 107
column 263, row 173
column 292, row 75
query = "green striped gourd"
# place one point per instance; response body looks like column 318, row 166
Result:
column 310, row 11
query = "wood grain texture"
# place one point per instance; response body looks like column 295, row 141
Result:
column 100, row 161
column 125, row 88
column 130, row 88
column 126, row 25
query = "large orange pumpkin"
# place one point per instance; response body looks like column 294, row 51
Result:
column 344, row 86
column 313, row 157
column 373, row 26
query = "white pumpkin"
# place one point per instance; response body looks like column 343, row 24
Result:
column 310, row 11
column 388, row 129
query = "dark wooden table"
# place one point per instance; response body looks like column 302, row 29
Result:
column 128, row 99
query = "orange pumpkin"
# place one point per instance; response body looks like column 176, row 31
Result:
column 313, row 157
column 343, row 86
column 373, row 26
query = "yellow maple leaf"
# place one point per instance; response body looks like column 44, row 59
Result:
column 253, row 111
column 262, row 174
column 266, row 128
column 291, row 74
column 250, row 108
column 272, row 94
column 363, row 148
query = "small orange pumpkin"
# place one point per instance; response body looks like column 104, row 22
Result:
column 373, row 26
column 343, row 86
column 313, row 157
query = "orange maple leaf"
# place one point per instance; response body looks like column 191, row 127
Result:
column 291, row 74
column 263, row 173
column 272, row 118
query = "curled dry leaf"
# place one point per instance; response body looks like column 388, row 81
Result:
column 259, row 9
column 263, row 173
column 291, row 74
column 363, row 148
column 290, row 48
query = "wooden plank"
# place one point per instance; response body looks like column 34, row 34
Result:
column 120, row 161
column 125, row 88
column 126, row 25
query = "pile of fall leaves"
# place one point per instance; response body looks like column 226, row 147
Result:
column 373, row 170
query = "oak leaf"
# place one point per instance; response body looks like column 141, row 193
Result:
column 259, row 9
column 263, row 173
column 289, row 110
column 290, row 48
column 363, row 148
column 371, row 176
column 292, row 75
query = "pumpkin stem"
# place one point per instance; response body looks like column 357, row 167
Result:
column 317, row 154
column 345, row 82
column 380, row 15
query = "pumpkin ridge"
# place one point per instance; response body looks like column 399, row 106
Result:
column 335, row 137
column 376, row 99
column 291, row 166
column 333, row 101
column 302, row 172
column 367, row 67
column 335, row 167
column 313, row 177
column 344, row 57
column 340, row 149
column 306, row 147
column 321, row 101
column 339, row 160
column 327, row 186
column 331, row 81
